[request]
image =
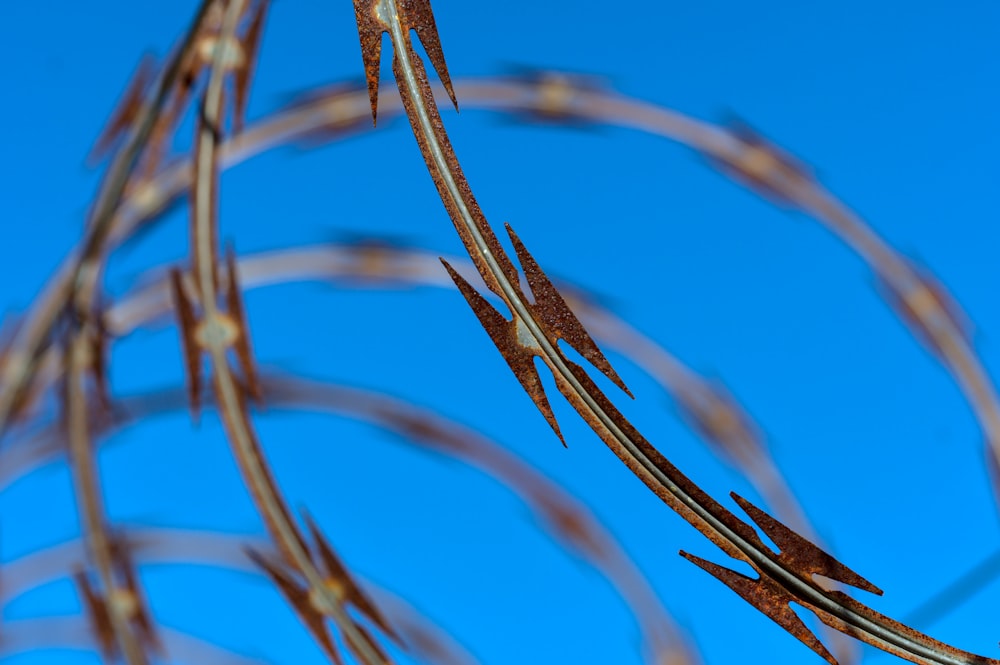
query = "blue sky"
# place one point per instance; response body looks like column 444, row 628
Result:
column 895, row 107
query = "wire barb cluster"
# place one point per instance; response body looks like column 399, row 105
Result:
column 784, row 577
column 63, row 343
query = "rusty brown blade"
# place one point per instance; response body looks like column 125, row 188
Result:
column 124, row 116
column 192, row 352
column 96, row 610
column 242, row 345
column 244, row 73
column 506, row 335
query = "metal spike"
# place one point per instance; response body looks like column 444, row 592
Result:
column 336, row 570
column 925, row 306
column 560, row 322
column 142, row 617
column 504, row 335
column 298, row 598
column 100, row 620
column 762, row 165
column 768, row 597
column 244, row 350
column 192, row 353
column 370, row 29
column 124, row 114
column 800, row 554
column 241, row 78
column 99, row 364
column 417, row 15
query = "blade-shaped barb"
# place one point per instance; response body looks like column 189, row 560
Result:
column 124, row 115
column 131, row 594
column 800, row 554
column 417, row 15
column 768, row 597
column 370, row 30
column 244, row 73
column 242, row 345
column 339, row 574
column 187, row 323
column 98, row 615
column 99, row 351
column 298, row 598
column 508, row 338
column 555, row 315
column 413, row 15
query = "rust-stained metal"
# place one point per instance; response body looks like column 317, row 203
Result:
column 217, row 332
column 343, row 582
column 506, row 335
column 96, row 610
column 242, row 346
column 299, row 599
column 313, row 609
column 568, row 520
column 555, row 317
column 778, row 574
column 569, row 379
column 186, row 323
column 99, row 345
column 763, row 166
column 244, row 73
column 416, row 15
column 928, row 309
column 341, row 109
column 83, row 265
column 128, row 107
column 131, row 593
column 799, row 554
column 125, row 598
column 770, row 598
column 153, row 546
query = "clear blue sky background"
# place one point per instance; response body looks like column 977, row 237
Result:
column 894, row 103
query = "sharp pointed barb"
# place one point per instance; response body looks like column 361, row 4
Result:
column 370, row 29
column 507, row 339
column 768, row 597
column 560, row 322
column 186, row 322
